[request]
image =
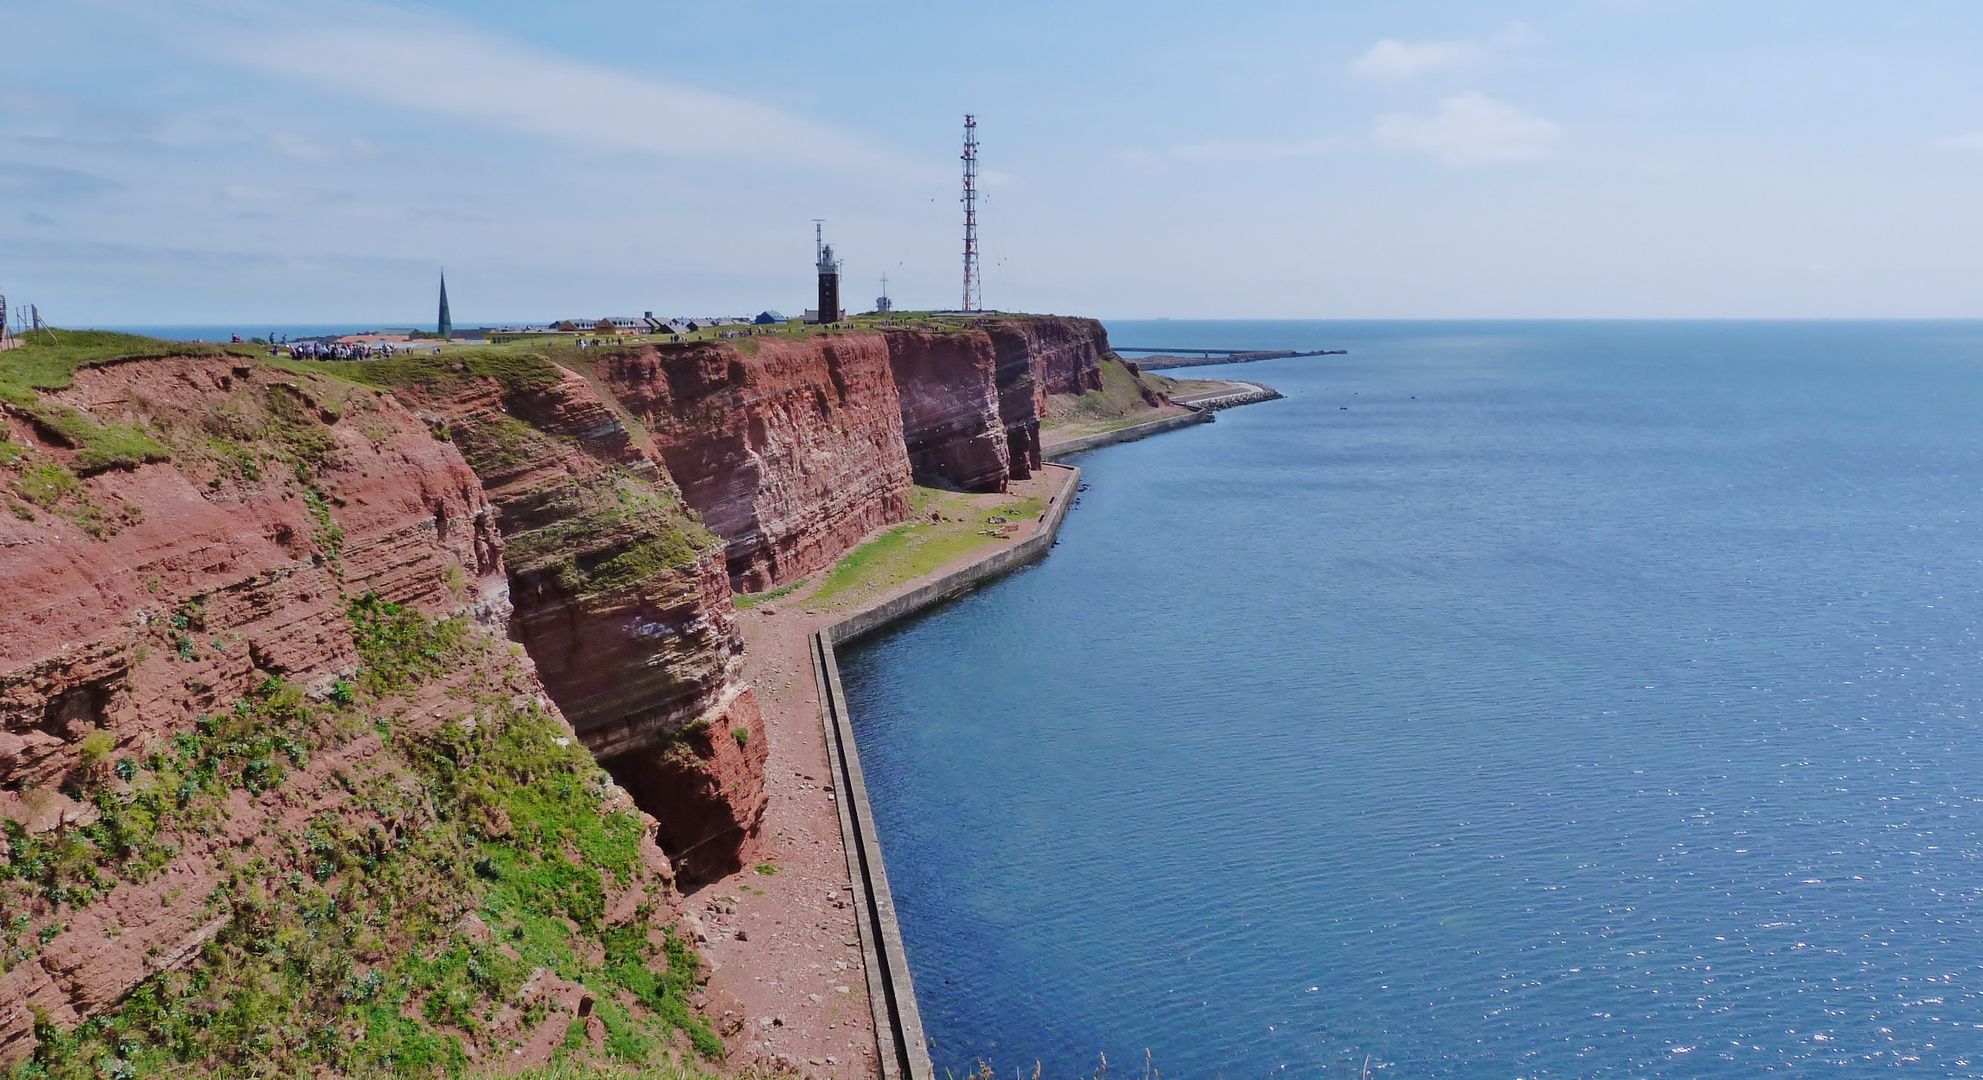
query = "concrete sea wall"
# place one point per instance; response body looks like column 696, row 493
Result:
column 1070, row 447
column 898, row 1022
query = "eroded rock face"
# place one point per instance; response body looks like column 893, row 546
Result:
column 217, row 539
column 621, row 598
column 1038, row 356
column 144, row 605
column 692, row 783
column 1063, row 353
column 791, row 451
column 950, row 400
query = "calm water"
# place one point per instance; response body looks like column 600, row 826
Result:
column 1512, row 700
column 222, row 331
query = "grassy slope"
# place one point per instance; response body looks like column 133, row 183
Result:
column 277, row 429
column 1119, row 403
column 349, row 950
column 346, row 950
column 912, row 550
column 26, row 370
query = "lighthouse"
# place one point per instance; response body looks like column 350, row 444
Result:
column 829, row 285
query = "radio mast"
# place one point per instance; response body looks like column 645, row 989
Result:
column 972, row 297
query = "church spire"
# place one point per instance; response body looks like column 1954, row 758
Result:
column 446, row 329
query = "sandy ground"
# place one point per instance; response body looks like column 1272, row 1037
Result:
column 785, row 943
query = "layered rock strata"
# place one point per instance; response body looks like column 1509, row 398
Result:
column 621, row 597
column 790, row 451
column 948, row 387
column 1039, row 356
column 261, row 676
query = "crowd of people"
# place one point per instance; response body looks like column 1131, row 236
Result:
column 361, row 350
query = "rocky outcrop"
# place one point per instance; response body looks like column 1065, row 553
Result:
column 950, row 399
column 620, row 597
column 264, row 677
column 266, row 519
column 1063, row 353
column 790, row 451
column 1039, row 356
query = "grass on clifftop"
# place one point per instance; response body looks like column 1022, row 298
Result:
column 52, row 365
column 515, row 366
column 944, row 526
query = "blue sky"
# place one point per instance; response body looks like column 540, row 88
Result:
column 196, row 161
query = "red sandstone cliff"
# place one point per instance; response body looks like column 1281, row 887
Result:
column 1039, row 356
column 791, row 451
column 151, row 608
column 200, row 743
column 949, row 392
column 621, row 598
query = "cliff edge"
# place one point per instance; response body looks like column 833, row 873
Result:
column 277, row 794
column 369, row 716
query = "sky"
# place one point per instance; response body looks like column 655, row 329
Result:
column 279, row 161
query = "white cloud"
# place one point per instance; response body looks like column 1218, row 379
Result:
column 1968, row 140
column 1391, row 60
column 1470, row 129
column 437, row 65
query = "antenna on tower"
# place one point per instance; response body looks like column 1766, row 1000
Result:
column 971, row 284
column 818, row 238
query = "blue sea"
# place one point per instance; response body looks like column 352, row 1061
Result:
column 1511, row 700
column 224, row 331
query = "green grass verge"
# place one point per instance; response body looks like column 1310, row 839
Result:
column 746, row 601
column 921, row 546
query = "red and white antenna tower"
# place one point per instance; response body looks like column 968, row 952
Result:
column 972, row 299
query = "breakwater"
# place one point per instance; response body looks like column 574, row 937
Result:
column 1165, row 359
column 1241, row 393
column 1069, row 447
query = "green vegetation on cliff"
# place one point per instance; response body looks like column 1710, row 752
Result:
column 516, row 367
column 944, row 526
column 53, row 365
column 416, row 929
column 614, row 531
column 1125, row 398
column 270, row 430
column 606, row 529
